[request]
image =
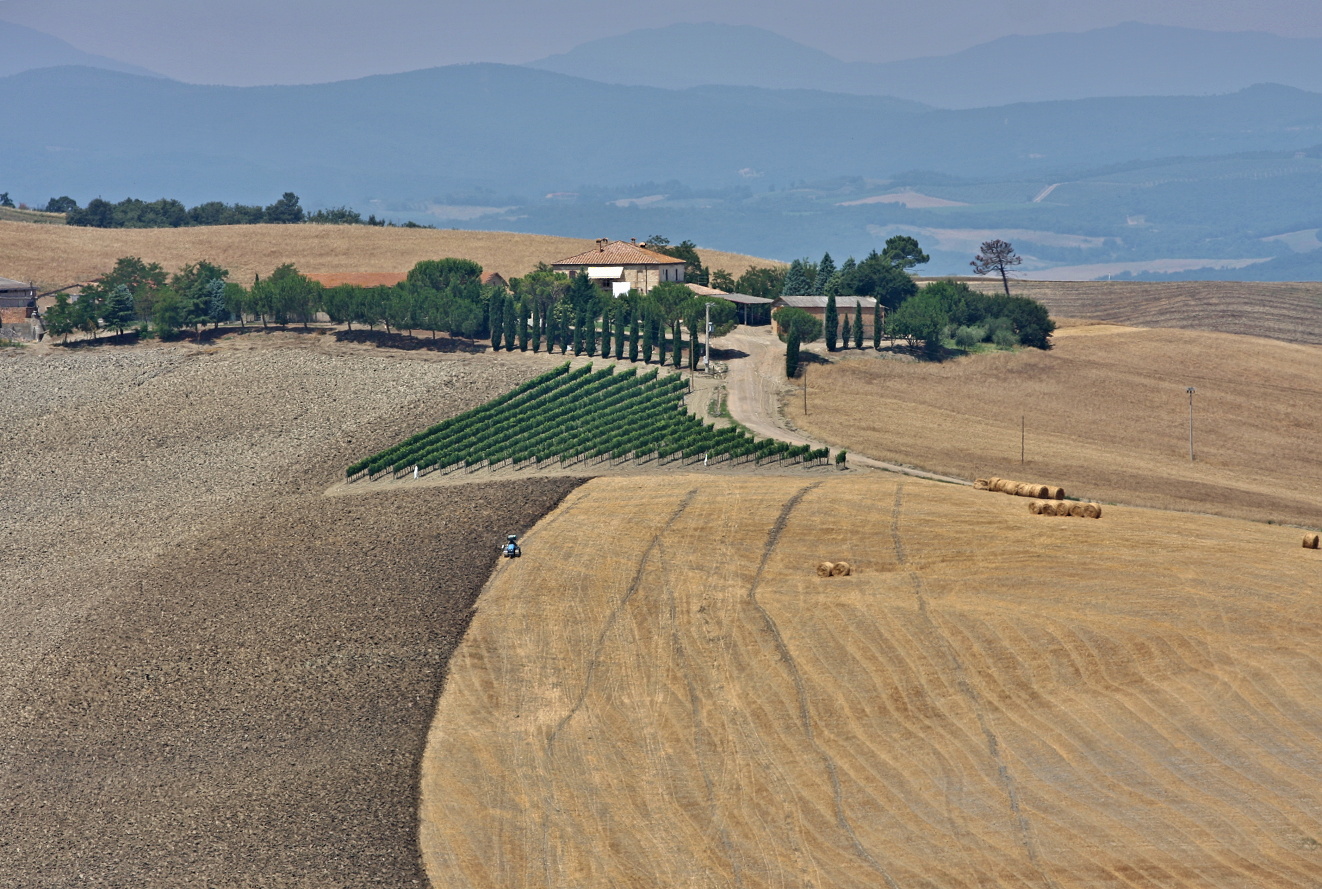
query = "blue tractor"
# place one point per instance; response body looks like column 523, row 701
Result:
column 511, row 549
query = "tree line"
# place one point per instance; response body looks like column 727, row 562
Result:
column 170, row 213
column 926, row 317
column 544, row 310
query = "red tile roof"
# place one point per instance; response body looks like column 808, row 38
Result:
column 619, row 253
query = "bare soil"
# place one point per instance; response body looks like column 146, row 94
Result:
column 210, row 673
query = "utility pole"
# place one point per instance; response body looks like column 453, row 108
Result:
column 1190, row 390
column 706, row 352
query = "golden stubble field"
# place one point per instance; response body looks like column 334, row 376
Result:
column 55, row 256
column 992, row 699
column 1105, row 413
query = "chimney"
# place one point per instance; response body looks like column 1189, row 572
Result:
column 633, row 241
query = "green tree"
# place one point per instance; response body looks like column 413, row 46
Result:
column 858, row 324
column 620, row 310
column 536, row 324
column 830, row 321
column 633, row 335
column 62, row 204
column 216, row 307
column 996, row 256
column 792, row 354
column 903, row 252
column 806, row 326
column 117, row 312
column 169, row 315
column 522, row 308
column 876, row 325
column 722, row 280
column 877, row 277
column 285, row 210
column 797, row 282
column 59, row 319
column 511, row 323
column 649, row 340
column 5, row 200
column 920, row 319
column 496, row 319
column 825, row 269
column 443, row 274
column 767, row 283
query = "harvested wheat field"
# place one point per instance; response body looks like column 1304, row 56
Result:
column 55, row 256
column 210, row 673
column 1106, row 414
column 991, row 699
column 1289, row 311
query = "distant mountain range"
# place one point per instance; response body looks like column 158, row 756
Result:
column 1150, row 185
column 26, row 50
column 1124, row 60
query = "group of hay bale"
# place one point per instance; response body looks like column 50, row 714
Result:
column 1050, row 500
column 1061, row 507
column 1311, row 541
column 1019, row 489
column 834, row 569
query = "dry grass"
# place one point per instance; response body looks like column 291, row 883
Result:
column 59, row 255
column 1285, row 311
column 1106, row 415
column 990, row 700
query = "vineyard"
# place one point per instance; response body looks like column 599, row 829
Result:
column 573, row 416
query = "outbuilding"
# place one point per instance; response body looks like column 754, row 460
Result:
column 844, row 306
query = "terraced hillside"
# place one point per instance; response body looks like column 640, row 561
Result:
column 662, row 692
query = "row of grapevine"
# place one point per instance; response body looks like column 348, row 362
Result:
column 579, row 415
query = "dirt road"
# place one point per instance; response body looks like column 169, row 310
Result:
column 755, row 385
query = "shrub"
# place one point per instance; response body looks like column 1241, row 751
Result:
column 965, row 337
column 1005, row 338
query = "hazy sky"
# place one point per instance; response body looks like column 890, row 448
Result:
column 304, row 41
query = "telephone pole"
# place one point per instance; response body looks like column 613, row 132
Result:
column 1191, row 391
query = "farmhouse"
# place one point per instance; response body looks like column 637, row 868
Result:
column 618, row 266
column 18, row 301
column 816, row 306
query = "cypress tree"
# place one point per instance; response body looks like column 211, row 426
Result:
column 858, row 324
column 844, row 331
column 496, row 319
column 677, row 356
column 876, row 325
column 649, row 341
column 619, row 333
column 591, row 333
column 606, row 333
column 536, row 326
column 578, row 335
column 792, row 353
column 511, row 323
column 523, row 326
column 693, row 349
column 660, row 338
column 830, row 322
column 633, row 338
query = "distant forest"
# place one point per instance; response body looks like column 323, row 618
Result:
column 170, row 213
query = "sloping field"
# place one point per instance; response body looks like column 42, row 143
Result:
column 992, row 699
column 210, row 673
column 1284, row 311
column 1106, row 416
column 57, row 255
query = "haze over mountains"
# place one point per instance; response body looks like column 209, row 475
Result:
column 1125, row 60
column 1085, row 186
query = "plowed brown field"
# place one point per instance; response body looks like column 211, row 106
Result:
column 992, row 699
column 1106, row 416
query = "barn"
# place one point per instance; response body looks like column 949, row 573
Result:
column 816, row 306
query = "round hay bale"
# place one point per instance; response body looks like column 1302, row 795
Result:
column 1057, row 493
column 1005, row 486
column 980, row 484
column 1035, row 507
column 1092, row 511
column 824, row 569
column 1311, row 541
column 841, row 569
column 1044, row 492
column 1076, row 510
column 1027, row 490
column 1047, row 508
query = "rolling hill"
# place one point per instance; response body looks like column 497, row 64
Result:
column 992, row 698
